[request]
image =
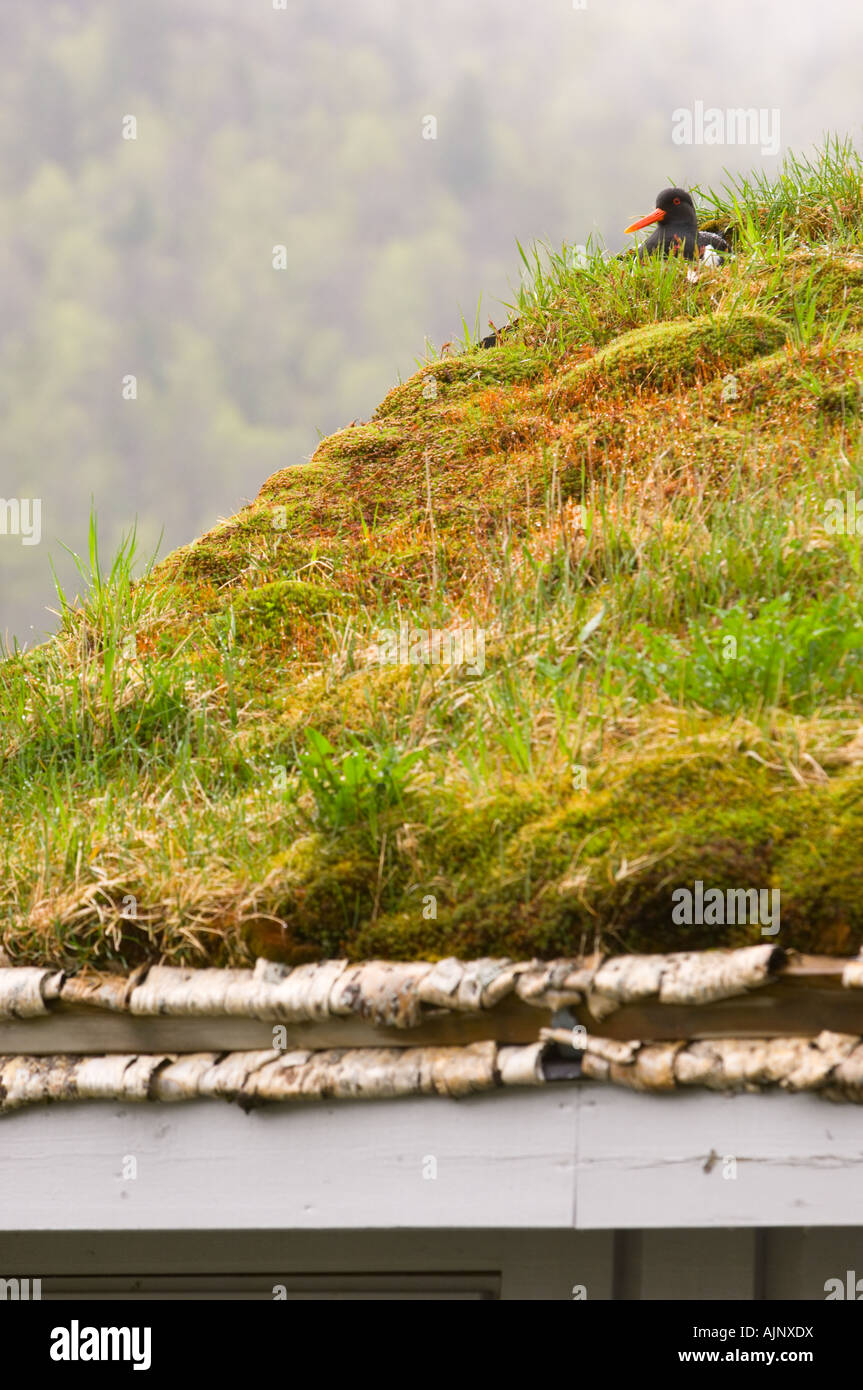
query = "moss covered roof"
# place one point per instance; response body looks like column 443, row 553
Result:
column 570, row 625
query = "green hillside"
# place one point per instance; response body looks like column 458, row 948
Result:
column 638, row 509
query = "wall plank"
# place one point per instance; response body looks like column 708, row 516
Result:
column 587, row 1157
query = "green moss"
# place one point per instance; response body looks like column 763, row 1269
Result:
column 476, row 832
column 844, row 399
column 795, row 377
column 722, row 227
column 456, row 378
column 285, row 596
column 360, row 701
column 831, row 280
column 326, row 891
column 266, row 612
column 374, row 442
column 604, row 866
column 300, row 478
column 223, row 554
column 823, row 866
column 666, row 355
column 713, row 447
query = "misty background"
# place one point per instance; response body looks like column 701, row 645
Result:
column 303, row 126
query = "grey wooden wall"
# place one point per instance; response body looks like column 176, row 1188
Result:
column 526, row 1194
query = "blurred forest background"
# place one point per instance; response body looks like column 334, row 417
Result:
column 303, row 126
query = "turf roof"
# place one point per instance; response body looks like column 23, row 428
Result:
column 638, row 511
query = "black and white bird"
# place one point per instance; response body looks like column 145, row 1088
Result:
column 677, row 231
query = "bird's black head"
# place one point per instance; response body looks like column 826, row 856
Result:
column 674, row 209
column 677, row 205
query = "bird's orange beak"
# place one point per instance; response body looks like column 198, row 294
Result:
column 656, row 216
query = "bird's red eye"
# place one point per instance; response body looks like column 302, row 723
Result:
column 677, row 202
